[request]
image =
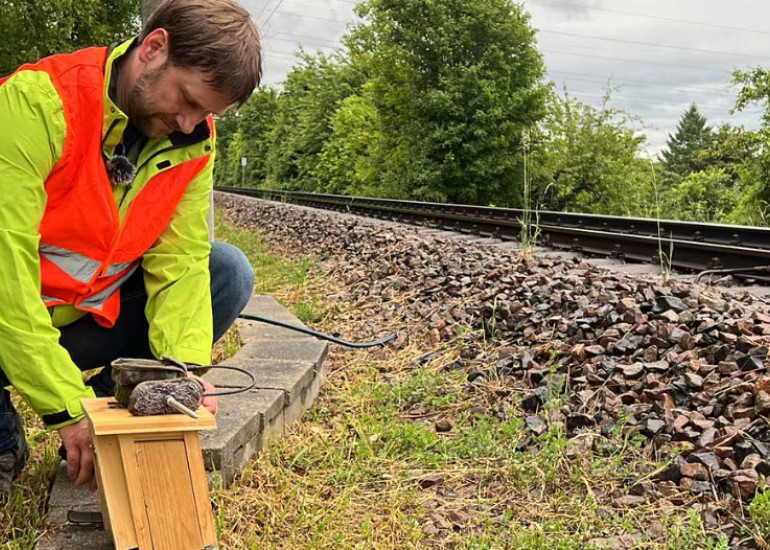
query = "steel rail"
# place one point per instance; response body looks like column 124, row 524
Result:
column 691, row 245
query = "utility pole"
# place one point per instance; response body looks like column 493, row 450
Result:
column 149, row 6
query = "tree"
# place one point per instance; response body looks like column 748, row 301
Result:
column 454, row 83
column 312, row 93
column 227, row 131
column 589, row 160
column 350, row 159
column 36, row 28
column 693, row 136
column 256, row 125
column 703, row 196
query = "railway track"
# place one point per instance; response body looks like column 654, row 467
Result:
column 740, row 250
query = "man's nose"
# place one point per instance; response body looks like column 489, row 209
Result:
column 188, row 121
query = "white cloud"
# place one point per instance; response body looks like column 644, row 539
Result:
column 650, row 53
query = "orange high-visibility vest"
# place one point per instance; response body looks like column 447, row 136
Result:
column 85, row 251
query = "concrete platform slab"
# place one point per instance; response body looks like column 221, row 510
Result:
column 242, row 420
column 83, row 539
column 252, row 330
column 312, row 351
column 65, row 496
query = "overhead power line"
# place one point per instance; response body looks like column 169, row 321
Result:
column 315, row 2
column 655, row 17
column 626, row 60
column 284, row 52
column 653, row 44
column 712, row 102
column 264, row 7
column 279, row 54
column 302, row 37
column 314, row 17
column 295, row 42
column 623, row 83
column 619, row 101
column 272, row 13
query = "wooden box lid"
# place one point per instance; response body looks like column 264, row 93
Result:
column 107, row 420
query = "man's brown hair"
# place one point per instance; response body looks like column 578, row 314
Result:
column 217, row 37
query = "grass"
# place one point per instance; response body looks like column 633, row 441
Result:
column 22, row 513
column 368, row 468
column 276, row 275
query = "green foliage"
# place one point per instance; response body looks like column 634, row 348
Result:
column 226, row 129
column 754, row 87
column 348, row 163
column 704, row 196
column 310, row 97
column 246, row 133
column 693, row 136
column 591, row 159
column 36, row 28
column 727, row 186
column 759, row 510
column 257, row 120
column 455, row 84
column 689, row 534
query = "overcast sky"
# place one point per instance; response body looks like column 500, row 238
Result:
column 660, row 55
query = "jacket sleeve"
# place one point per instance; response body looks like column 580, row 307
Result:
column 32, row 133
column 177, row 280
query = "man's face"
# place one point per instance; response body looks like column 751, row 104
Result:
column 171, row 99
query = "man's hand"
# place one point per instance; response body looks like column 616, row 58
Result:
column 211, row 403
column 80, row 455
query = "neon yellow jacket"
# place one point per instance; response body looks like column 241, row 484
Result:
column 176, row 268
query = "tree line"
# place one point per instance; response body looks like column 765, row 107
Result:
column 446, row 100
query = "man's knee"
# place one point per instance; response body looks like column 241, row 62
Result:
column 232, row 277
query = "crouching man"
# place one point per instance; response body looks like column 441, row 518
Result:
column 104, row 245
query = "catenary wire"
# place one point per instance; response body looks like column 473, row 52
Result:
column 652, row 44
column 655, row 17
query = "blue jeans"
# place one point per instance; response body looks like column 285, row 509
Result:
column 92, row 346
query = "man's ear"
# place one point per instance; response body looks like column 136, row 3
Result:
column 153, row 51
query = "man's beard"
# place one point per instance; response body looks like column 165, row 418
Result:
column 140, row 105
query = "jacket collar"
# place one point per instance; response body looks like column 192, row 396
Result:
column 114, row 120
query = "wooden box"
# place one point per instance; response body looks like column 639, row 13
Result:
column 152, row 481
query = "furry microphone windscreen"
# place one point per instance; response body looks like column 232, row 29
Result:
column 120, row 170
column 148, row 398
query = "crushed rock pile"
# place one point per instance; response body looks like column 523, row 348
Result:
column 681, row 364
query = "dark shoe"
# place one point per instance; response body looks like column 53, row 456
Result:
column 12, row 461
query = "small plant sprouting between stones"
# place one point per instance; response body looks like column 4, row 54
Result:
column 665, row 259
column 759, row 510
column 530, row 231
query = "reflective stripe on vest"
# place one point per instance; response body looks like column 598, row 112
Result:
column 75, row 265
column 114, row 269
column 79, row 267
column 97, row 300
